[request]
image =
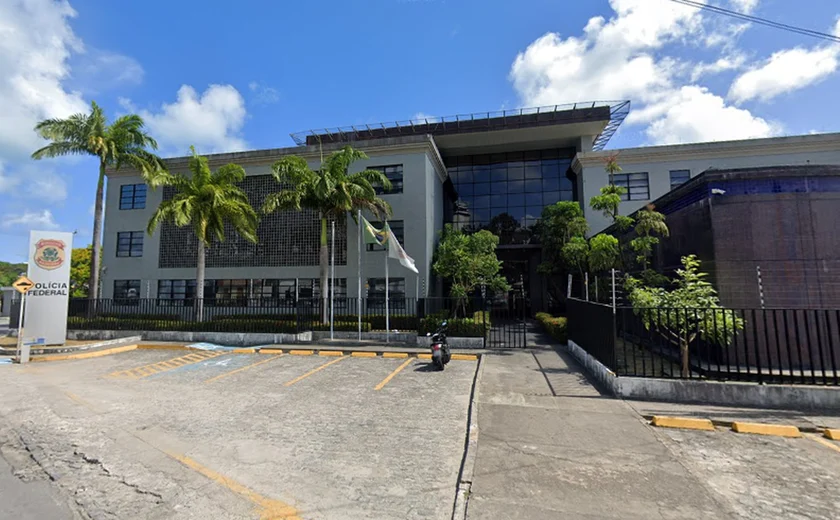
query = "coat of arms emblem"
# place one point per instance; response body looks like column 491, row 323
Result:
column 49, row 254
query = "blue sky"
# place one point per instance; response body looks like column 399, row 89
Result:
column 230, row 76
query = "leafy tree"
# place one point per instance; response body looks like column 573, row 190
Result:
column 609, row 201
column 80, row 262
column 10, row 272
column 649, row 223
column 469, row 261
column 692, row 309
column 604, row 253
column 206, row 201
column 123, row 142
column 562, row 223
column 506, row 228
column 330, row 191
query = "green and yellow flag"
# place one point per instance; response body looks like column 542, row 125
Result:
column 373, row 235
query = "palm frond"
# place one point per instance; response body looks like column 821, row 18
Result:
column 338, row 162
column 372, row 177
column 282, row 200
column 60, row 149
column 293, row 170
column 229, row 174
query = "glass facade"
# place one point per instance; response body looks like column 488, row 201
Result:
column 507, row 192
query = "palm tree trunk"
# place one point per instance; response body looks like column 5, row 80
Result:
column 97, row 234
column 199, row 282
column 325, row 261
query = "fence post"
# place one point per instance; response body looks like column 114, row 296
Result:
column 614, row 326
column 586, row 284
column 613, row 290
column 569, row 287
column 760, row 285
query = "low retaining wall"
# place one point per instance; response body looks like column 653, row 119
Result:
column 800, row 397
column 425, row 341
column 233, row 339
column 131, row 339
column 394, row 337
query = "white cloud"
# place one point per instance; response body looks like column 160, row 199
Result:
column 421, row 117
column 744, row 6
column 35, row 43
column 625, row 58
column 785, row 71
column 30, row 220
column 263, row 94
column 32, row 180
column 723, row 64
column 96, row 70
column 212, row 121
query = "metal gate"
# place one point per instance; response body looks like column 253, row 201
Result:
column 508, row 327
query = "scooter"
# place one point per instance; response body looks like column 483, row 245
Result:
column 440, row 348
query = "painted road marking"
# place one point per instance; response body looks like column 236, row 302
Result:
column 824, row 442
column 313, row 371
column 778, row 430
column 246, row 367
column 683, row 422
column 163, row 366
column 270, row 508
column 392, row 374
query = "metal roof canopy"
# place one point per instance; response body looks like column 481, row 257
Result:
column 612, row 111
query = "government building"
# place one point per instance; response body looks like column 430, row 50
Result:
column 493, row 171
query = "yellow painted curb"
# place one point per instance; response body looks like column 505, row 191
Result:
column 271, row 351
column 331, row 353
column 363, row 354
column 301, row 352
column 243, row 351
column 394, row 355
column 683, row 422
column 465, row 357
column 832, row 433
column 84, row 355
column 424, row 356
column 164, row 347
column 778, row 430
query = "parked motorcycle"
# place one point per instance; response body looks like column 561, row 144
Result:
column 440, row 348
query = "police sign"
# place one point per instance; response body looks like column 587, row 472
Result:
column 45, row 315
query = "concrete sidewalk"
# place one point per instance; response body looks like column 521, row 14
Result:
column 552, row 446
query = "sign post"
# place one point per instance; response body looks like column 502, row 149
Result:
column 22, row 285
column 48, row 298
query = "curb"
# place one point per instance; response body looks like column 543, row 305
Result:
column 334, row 352
column 465, row 476
column 83, row 355
column 776, row 430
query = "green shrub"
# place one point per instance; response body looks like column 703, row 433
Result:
column 377, row 321
column 475, row 327
column 554, row 326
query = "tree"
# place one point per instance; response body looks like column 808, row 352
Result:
column 468, row 261
column 609, row 201
column 123, row 142
column 604, row 253
column 692, row 309
column 330, row 191
column 206, row 201
column 648, row 224
column 80, row 271
column 561, row 224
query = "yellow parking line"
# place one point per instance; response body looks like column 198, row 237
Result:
column 304, row 376
column 274, row 509
column 392, row 374
column 156, row 368
column 252, row 365
column 827, row 444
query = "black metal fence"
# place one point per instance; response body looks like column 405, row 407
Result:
column 790, row 346
column 467, row 318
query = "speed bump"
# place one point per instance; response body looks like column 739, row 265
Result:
column 683, row 422
column 832, row 433
column 778, row 430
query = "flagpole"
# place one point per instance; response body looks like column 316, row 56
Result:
column 359, row 286
column 387, row 307
column 332, row 283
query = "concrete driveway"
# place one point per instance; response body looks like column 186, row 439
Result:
column 162, row 434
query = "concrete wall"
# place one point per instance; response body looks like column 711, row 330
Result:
column 417, row 207
column 659, row 161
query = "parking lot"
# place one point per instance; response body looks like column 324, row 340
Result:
column 200, row 434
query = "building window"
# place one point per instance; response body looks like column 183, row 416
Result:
column 132, row 196
column 679, row 177
column 394, row 174
column 376, row 294
column 309, row 288
column 396, row 226
column 635, row 185
column 228, row 293
column 127, row 292
column 130, row 243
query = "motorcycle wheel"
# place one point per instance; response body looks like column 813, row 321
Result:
column 437, row 361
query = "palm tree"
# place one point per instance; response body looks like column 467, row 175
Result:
column 123, row 142
column 206, row 201
column 330, row 191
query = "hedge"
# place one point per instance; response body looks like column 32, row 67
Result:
column 222, row 325
column 377, row 321
column 475, row 327
column 554, row 326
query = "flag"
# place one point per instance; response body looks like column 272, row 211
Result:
column 395, row 250
column 373, row 235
